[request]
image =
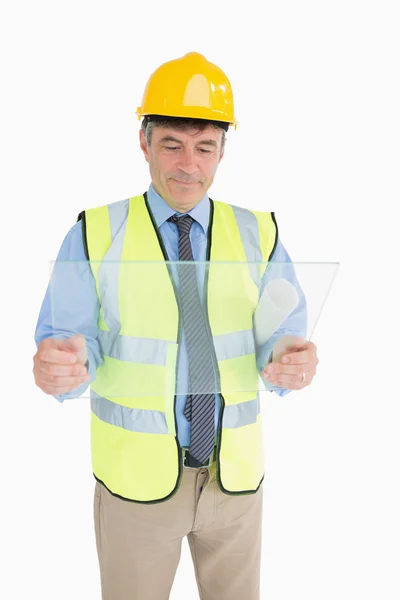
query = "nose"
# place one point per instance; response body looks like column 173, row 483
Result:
column 187, row 162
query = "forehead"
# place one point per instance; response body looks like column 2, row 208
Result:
column 188, row 135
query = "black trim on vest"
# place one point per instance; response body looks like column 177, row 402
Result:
column 158, row 234
column 141, row 501
column 82, row 217
column 276, row 236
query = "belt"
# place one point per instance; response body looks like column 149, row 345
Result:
column 190, row 461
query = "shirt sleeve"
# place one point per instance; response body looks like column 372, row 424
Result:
column 71, row 304
column 294, row 324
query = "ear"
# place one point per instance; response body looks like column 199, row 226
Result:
column 143, row 145
column 222, row 154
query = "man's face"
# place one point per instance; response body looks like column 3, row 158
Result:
column 182, row 164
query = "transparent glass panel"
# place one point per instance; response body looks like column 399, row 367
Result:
column 186, row 327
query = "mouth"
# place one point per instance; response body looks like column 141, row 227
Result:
column 185, row 183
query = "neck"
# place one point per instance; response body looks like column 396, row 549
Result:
column 180, row 208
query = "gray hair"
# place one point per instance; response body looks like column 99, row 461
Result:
column 181, row 125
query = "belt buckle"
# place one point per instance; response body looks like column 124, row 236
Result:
column 185, row 452
column 208, row 464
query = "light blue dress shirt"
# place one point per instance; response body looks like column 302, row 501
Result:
column 78, row 307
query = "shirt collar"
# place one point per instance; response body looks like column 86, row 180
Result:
column 162, row 211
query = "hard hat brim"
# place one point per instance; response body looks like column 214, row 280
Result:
column 223, row 124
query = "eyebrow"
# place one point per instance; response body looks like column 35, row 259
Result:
column 170, row 138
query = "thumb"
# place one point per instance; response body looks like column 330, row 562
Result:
column 296, row 343
column 75, row 343
column 287, row 344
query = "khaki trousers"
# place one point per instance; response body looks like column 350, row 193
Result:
column 139, row 545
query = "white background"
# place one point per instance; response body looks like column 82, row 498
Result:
column 317, row 99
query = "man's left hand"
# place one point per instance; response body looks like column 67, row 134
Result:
column 288, row 372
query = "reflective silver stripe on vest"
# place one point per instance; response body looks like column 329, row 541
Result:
column 108, row 273
column 153, row 421
column 154, row 352
column 250, row 235
column 232, row 345
column 132, row 419
column 134, row 349
column 239, row 415
column 118, row 213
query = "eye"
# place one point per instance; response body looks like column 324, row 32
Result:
column 205, row 151
column 171, row 147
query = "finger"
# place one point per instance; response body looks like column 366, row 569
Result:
column 63, row 370
column 276, row 368
column 58, row 356
column 73, row 344
column 291, row 379
column 286, row 380
column 297, row 358
column 57, row 382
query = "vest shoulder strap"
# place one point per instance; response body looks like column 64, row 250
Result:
column 99, row 225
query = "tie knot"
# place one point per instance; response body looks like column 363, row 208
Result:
column 183, row 223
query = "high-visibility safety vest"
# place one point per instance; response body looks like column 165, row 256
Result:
column 134, row 444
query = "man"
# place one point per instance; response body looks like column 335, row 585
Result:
column 169, row 463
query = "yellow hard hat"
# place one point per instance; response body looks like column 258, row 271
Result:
column 189, row 87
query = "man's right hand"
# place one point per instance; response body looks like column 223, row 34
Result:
column 58, row 365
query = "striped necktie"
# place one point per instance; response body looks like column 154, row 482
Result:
column 200, row 406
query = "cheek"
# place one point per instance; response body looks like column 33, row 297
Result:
column 166, row 166
column 209, row 168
